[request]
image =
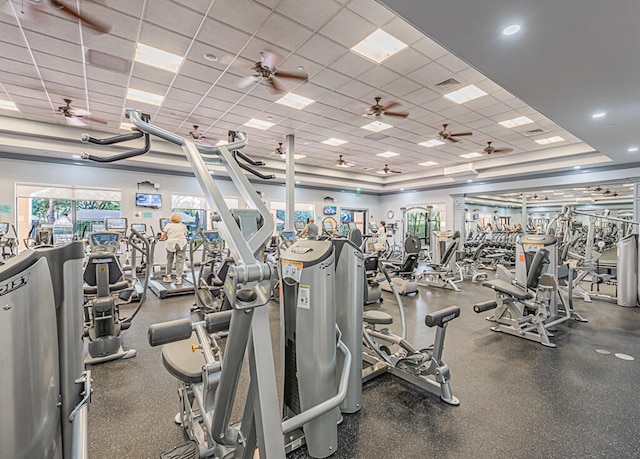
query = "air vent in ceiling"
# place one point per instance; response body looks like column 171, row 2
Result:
column 448, row 84
column 534, row 132
column 376, row 136
column 108, row 61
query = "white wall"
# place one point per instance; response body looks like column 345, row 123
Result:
column 89, row 175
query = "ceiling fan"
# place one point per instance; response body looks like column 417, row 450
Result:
column 446, row 134
column 268, row 74
column 76, row 116
column 280, row 151
column 31, row 8
column 489, row 149
column 196, row 134
column 386, row 170
column 384, row 110
column 340, row 162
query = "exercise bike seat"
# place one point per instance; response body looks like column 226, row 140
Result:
column 377, row 317
column 508, row 289
column 182, row 362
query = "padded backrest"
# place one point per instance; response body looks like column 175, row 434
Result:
column 410, row 264
column 538, row 267
column 90, row 274
column 446, row 258
column 412, row 245
column 478, row 252
column 371, row 262
column 355, row 236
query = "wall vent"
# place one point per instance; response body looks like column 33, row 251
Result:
column 108, row 61
column 448, row 84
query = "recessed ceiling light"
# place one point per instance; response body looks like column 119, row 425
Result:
column 297, row 182
column 8, row 105
column 515, row 122
column 599, row 115
column 379, row 46
column 632, row 149
column 301, row 68
column 344, row 165
column 376, row 126
column 549, row 140
column 510, row 30
column 388, row 154
column 158, row 58
column 469, row 181
column 334, row 142
column 431, row 143
column 144, row 97
column 401, row 189
column 465, row 94
column 259, row 124
column 473, row 154
column 428, row 163
column 210, row 57
column 294, row 101
column 576, row 167
column 299, row 156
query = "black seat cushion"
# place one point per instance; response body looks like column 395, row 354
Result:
column 508, row 289
column 181, row 362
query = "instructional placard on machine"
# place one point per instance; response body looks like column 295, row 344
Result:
column 304, row 297
column 292, row 270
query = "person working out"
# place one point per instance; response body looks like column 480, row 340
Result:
column 311, row 230
column 381, row 235
column 175, row 233
column 518, row 229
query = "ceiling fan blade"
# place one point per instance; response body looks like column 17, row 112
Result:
column 292, row 75
column 78, row 111
column 273, row 86
column 452, row 139
column 459, row 134
column 270, row 60
column 503, row 150
column 390, row 105
column 400, row 114
column 94, row 120
column 248, row 81
column 73, row 121
column 95, row 24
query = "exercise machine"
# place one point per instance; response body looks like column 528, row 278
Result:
column 210, row 278
column 403, row 272
column 442, row 274
column 208, row 378
column 105, row 290
column 157, row 284
column 45, row 388
column 530, row 305
column 8, row 242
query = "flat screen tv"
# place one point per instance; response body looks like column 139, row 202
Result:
column 152, row 200
column 330, row 210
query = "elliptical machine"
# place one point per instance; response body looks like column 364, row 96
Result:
column 105, row 290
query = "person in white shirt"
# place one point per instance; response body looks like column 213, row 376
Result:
column 381, row 235
column 175, row 233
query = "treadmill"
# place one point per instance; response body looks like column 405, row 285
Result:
column 166, row 289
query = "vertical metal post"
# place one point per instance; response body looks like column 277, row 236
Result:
column 290, row 182
column 524, row 211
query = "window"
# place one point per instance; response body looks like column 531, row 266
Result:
column 195, row 211
column 302, row 211
column 42, row 205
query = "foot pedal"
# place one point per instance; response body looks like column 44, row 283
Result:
column 188, row 450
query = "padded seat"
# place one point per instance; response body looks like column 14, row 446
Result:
column 181, row 362
column 508, row 289
column 377, row 317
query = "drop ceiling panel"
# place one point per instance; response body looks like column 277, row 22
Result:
column 321, row 49
column 232, row 12
column 351, row 64
column 148, row 73
column 429, row 48
column 223, row 36
column 347, row 28
column 283, row 32
column 378, row 77
column 372, row 12
column 173, row 17
column 331, row 79
column 39, row 42
column 309, row 13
